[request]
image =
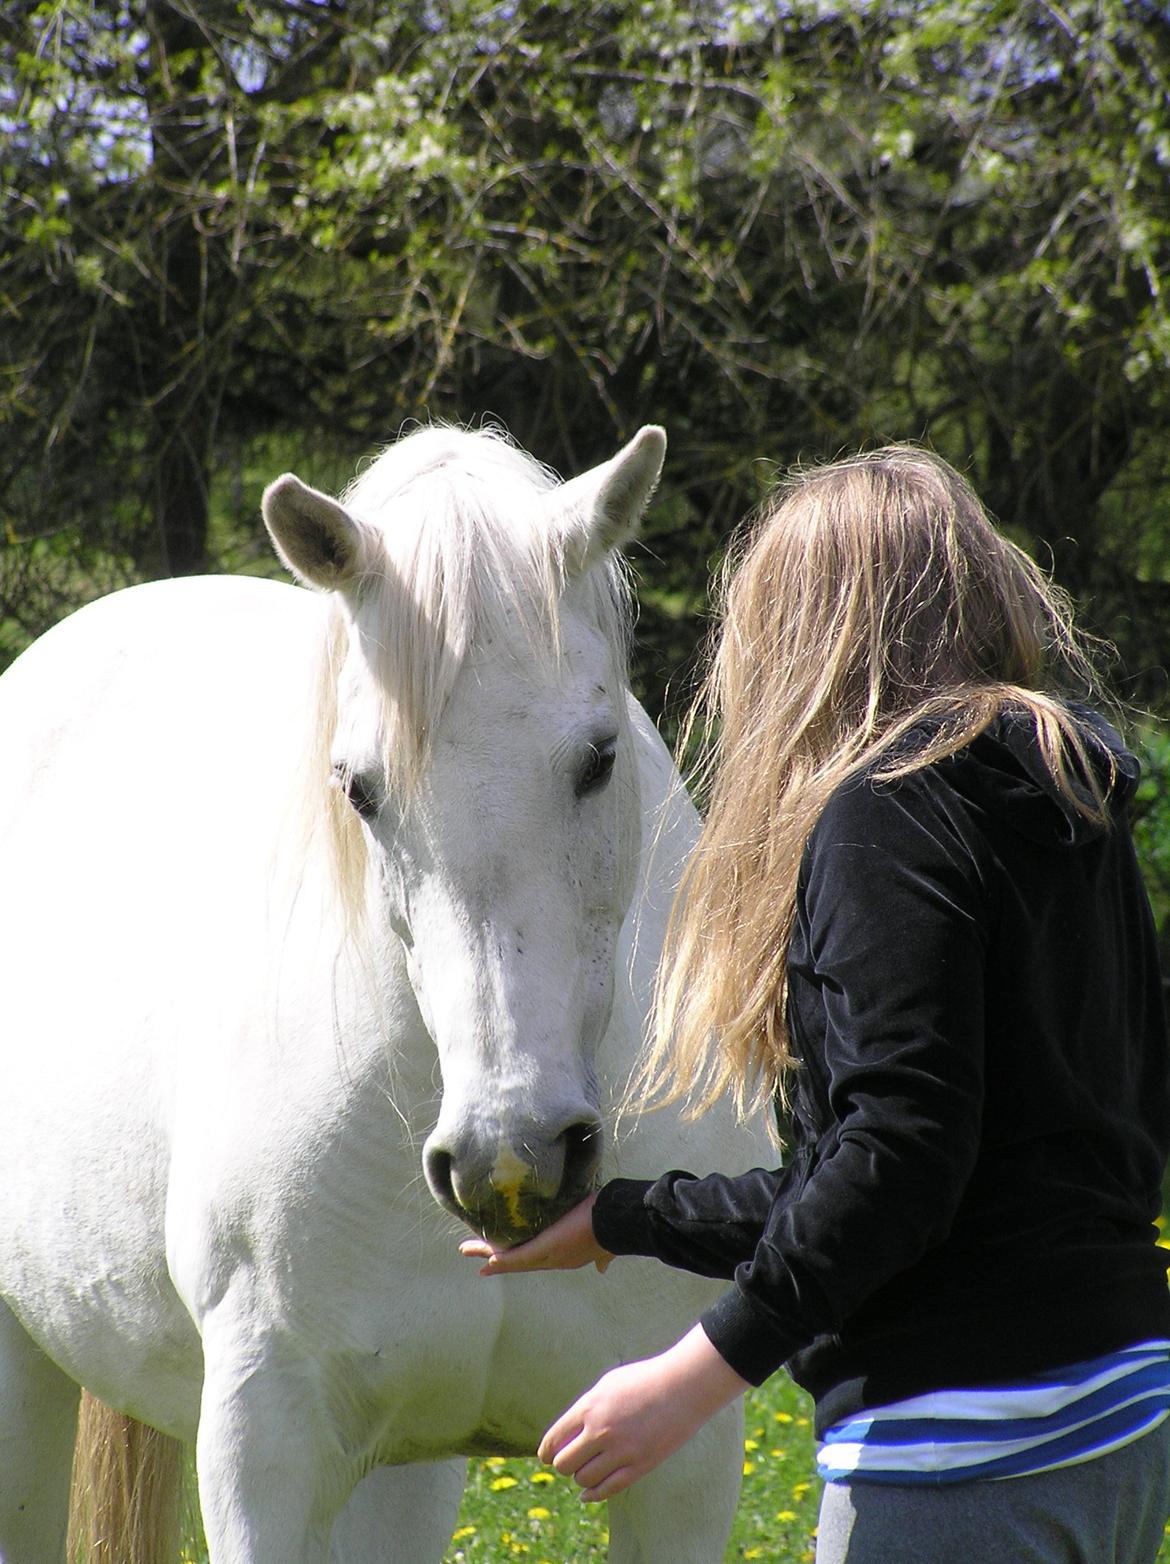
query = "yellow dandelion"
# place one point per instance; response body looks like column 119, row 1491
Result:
column 785, row 1515
column 748, row 1468
column 751, row 1444
column 777, row 1454
column 802, row 1422
column 800, row 1489
column 499, row 1484
column 496, row 1461
column 463, row 1533
column 753, row 1553
column 543, row 1477
column 783, row 1417
column 538, row 1513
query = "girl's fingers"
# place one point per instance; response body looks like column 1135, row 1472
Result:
column 532, row 1256
column 616, row 1482
column 558, row 1437
column 598, row 1473
column 593, row 1472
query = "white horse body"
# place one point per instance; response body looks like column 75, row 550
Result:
column 215, row 1092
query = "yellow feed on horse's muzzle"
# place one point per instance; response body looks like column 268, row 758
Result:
column 510, row 1173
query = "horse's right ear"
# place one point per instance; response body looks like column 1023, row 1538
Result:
column 314, row 536
column 601, row 509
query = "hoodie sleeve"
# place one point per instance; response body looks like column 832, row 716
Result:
column 886, row 1004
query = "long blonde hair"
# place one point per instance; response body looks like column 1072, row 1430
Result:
column 873, row 594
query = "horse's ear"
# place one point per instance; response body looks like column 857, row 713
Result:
column 601, row 509
column 315, row 537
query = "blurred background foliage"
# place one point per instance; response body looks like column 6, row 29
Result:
column 245, row 235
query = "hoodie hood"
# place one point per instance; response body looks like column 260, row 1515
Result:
column 1003, row 773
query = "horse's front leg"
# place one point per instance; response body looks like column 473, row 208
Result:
column 400, row 1515
column 682, row 1512
column 38, row 1419
column 272, row 1478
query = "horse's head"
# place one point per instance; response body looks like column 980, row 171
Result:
column 481, row 747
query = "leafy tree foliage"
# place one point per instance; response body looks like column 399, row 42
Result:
column 779, row 230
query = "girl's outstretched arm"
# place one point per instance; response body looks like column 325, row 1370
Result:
column 565, row 1246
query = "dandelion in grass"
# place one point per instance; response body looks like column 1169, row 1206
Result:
column 542, row 1477
column 748, row 1468
column 539, row 1513
column 499, row 1484
column 462, row 1533
column 785, row 1515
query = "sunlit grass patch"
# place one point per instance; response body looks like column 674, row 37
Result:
column 518, row 1509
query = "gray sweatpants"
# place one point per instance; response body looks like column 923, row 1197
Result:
column 1112, row 1510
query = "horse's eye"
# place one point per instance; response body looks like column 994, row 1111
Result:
column 361, row 791
column 598, row 767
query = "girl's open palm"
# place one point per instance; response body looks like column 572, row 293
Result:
column 565, row 1246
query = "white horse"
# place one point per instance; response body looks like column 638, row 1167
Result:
column 294, row 884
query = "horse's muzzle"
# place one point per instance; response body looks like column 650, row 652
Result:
column 511, row 1188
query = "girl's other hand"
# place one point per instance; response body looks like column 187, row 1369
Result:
column 565, row 1246
column 638, row 1414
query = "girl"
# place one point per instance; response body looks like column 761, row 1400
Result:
column 914, row 917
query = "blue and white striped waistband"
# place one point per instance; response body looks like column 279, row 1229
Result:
column 1056, row 1419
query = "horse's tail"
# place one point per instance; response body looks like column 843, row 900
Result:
column 127, row 1481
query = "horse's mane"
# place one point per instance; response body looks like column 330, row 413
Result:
column 465, row 551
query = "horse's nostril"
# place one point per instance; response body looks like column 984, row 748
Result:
column 582, row 1153
column 438, row 1166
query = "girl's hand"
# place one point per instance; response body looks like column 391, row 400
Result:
column 638, row 1414
column 565, row 1246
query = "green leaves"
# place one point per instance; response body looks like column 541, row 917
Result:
column 781, row 230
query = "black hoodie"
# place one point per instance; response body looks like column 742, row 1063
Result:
column 981, row 1113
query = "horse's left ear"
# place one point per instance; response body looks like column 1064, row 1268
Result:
column 315, row 537
column 601, row 509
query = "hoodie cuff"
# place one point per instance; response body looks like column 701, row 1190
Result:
column 744, row 1339
column 621, row 1222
